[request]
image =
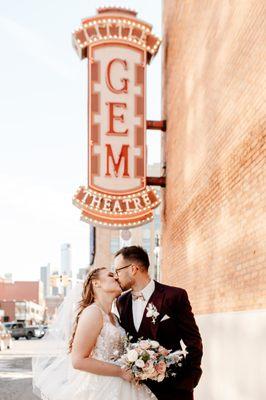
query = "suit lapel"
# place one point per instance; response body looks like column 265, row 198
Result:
column 147, row 328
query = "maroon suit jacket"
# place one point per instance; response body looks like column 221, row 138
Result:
column 173, row 302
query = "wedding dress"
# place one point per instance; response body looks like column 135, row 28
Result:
column 58, row 380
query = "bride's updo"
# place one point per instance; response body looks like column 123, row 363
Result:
column 86, row 300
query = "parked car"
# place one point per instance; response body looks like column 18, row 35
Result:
column 39, row 332
column 5, row 338
column 43, row 329
column 19, row 329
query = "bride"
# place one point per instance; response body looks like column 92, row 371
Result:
column 80, row 360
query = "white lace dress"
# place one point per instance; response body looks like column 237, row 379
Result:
column 79, row 385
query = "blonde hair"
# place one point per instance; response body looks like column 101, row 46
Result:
column 86, row 300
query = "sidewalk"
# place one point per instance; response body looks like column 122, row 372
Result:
column 15, row 371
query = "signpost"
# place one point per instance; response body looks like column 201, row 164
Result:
column 118, row 47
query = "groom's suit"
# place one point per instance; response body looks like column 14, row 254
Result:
column 174, row 322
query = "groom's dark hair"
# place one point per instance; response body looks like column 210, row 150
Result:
column 135, row 254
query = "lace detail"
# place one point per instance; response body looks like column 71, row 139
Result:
column 110, row 342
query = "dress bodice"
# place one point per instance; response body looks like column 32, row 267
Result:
column 110, row 342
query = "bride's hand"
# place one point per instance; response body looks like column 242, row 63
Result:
column 126, row 375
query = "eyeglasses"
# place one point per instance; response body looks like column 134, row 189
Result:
column 119, row 269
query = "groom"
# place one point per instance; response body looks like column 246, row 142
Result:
column 174, row 322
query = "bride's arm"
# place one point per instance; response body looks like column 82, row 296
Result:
column 88, row 329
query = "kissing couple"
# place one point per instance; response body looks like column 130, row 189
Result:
column 82, row 351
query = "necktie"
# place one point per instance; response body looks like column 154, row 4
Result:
column 137, row 296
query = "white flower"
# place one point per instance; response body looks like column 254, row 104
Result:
column 152, row 312
column 154, row 344
column 140, row 363
column 160, row 378
column 132, row 355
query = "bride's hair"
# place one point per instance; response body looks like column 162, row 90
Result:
column 86, row 300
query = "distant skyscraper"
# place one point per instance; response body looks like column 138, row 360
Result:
column 66, row 259
column 45, row 275
column 55, row 289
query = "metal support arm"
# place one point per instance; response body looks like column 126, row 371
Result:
column 156, row 125
column 156, row 181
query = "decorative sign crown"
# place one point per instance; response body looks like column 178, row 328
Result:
column 115, row 23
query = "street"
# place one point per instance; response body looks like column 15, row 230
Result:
column 15, row 370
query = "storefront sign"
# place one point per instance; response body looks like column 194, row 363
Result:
column 118, row 47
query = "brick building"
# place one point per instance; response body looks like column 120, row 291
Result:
column 26, row 290
column 22, row 300
column 213, row 235
column 22, row 310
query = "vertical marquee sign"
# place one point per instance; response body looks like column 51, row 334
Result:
column 118, row 47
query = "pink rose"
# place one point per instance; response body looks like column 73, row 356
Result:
column 162, row 350
column 160, row 367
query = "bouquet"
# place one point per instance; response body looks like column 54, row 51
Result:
column 147, row 359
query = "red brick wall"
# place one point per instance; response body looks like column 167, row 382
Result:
column 213, row 75
column 9, row 309
column 21, row 290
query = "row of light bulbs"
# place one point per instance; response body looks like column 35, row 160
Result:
column 95, row 39
column 118, row 21
column 87, row 219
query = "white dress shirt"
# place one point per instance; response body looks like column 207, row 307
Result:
column 139, row 305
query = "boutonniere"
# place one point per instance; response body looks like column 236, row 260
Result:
column 152, row 312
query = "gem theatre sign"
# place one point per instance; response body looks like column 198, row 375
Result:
column 118, row 47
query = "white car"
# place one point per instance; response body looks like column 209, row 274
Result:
column 39, row 332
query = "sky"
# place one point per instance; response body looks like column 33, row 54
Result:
column 43, row 132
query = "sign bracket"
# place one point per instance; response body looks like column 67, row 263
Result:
column 156, row 181
column 156, row 125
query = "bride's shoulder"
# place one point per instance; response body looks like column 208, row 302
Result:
column 90, row 318
column 92, row 312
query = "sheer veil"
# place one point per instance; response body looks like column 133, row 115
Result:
column 51, row 366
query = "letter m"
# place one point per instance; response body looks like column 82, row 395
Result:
column 110, row 157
